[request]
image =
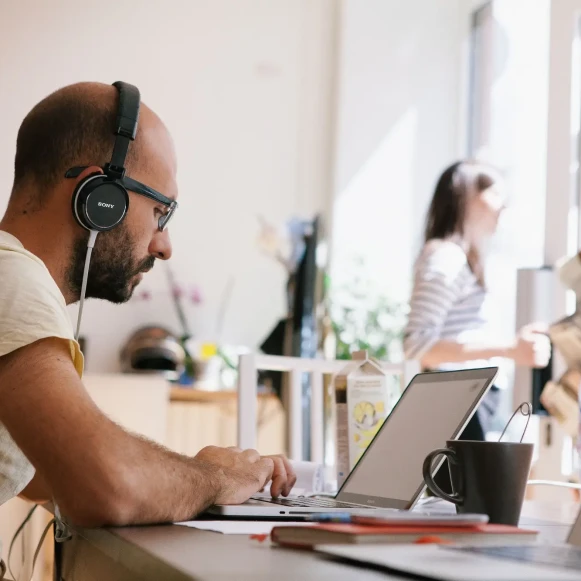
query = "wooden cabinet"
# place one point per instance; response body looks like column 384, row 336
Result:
column 202, row 418
column 183, row 419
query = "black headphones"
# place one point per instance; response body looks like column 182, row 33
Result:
column 100, row 201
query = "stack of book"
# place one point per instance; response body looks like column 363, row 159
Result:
column 365, row 530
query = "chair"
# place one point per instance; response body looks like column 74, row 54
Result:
column 249, row 364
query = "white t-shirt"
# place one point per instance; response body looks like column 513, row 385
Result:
column 32, row 307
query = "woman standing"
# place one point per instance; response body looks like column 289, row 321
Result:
column 449, row 320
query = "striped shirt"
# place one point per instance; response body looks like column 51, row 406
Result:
column 447, row 303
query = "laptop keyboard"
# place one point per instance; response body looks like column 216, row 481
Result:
column 305, row 502
column 566, row 557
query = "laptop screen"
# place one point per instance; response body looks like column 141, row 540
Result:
column 434, row 408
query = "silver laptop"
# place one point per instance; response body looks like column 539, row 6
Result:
column 507, row 563
column 435, row 407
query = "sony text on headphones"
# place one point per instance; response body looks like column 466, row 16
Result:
column 100, row 201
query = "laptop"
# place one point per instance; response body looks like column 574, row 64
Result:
column 435, row 407
column 507, row 563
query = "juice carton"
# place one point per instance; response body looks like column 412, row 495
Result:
column 362, row 401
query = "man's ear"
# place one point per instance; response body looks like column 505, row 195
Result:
column 76, row 174
column 87, row 171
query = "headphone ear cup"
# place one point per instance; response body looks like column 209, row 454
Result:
column 78, row 201
column 100, row 203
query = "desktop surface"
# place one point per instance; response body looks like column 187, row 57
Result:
column 176, row 553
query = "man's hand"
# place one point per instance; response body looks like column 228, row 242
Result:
column 238, row 474
column 283, row 476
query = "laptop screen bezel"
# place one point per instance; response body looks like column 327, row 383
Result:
column 485, row 373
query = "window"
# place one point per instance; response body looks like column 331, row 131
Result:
column 507, row 110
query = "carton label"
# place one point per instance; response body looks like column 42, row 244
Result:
column 367, row 407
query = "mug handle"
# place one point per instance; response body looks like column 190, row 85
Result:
column 450, row 455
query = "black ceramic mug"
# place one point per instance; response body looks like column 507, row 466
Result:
column 487, row 477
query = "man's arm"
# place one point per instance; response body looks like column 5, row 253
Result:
column 97, row 472
column 37, row 490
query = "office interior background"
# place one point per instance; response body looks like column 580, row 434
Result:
column 344, row 109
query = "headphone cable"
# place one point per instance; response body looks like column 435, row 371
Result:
column 90, row 245
column 61, row 535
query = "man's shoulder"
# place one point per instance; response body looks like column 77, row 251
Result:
column 20, row 267
column 32, row 307
column 14, row 257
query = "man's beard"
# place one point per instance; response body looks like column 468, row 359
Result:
column 113, row 266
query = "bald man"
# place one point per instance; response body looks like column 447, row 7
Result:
column 55, row 444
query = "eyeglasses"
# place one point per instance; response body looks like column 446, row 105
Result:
column 142, row 190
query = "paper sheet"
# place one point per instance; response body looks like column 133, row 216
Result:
column 309, row 480
column 237, row 527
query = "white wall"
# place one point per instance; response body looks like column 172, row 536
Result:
column 244, row 87
column 399, row 107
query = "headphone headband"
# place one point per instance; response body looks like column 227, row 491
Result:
column 125, row 128
column 128, row 110
column 100, row 202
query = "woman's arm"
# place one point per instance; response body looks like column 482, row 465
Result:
column 435, row 292
column 444, row 351
column 531, row 348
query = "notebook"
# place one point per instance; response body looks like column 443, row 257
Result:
column 348, row 534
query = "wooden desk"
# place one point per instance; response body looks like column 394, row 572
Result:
column 174, row 553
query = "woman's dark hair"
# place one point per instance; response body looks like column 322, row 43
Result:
column 447, row 210
column 448, row 207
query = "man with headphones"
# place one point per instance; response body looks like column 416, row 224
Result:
column 94, row 190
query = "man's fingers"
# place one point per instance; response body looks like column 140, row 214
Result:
column 284, row 477
column 279, row 477
column 291, row 477
column 265, row 467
